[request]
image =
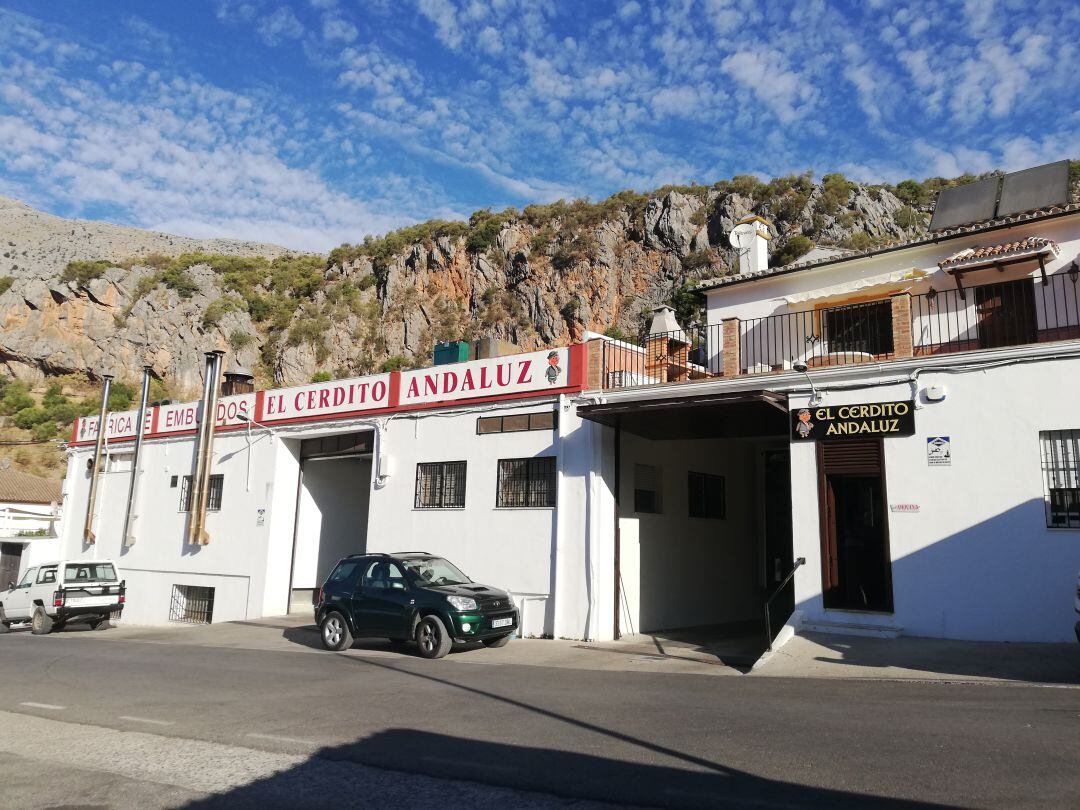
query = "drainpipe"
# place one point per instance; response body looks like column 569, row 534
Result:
column 128, row 539
column 99, row 445
column 200, row 483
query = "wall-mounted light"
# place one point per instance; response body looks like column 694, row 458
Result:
column 815, row 395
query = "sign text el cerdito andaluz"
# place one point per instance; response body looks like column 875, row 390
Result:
column 861, row 420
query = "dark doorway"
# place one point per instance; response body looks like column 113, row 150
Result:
column 856, row 565
column 1006, row 314
column 10, row 562
column 778, row 557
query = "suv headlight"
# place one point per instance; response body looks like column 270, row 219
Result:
column 462, row 602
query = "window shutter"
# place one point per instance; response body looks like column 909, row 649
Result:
column 858, row 457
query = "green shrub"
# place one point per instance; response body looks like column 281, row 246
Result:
column 45, row 431
column 580, row 248
column 5, row 283
column 27, row 418
column 615, row 333
column 484, row 228
column 907, row 217
column 795, row 248
column 178, row 279
column 698, row 260
column 394, row 363
column 860, row 240
column 912, row 192
column 218, row 308
column 83, row 272
column 366, row 282
column 321, row 376
column 570, row 309
column 239, row 339
column 688, row 305
column 54, row 394
column 835, row 190
column 63, row 412
column 16, row 398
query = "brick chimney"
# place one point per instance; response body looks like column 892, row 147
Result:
column 750, row 238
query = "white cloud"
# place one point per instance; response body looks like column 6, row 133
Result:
column 766, row 75
column 280, row 26
column 444, row 16
column 336, row 29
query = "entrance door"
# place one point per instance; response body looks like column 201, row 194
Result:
column 778, row 552
column 1006, row 314
column 856, row 564
column 10, row 562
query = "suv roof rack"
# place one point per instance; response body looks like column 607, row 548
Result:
column 399, row 553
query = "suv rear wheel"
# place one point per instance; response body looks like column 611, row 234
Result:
column 432, row 638
column 335, row 632
column 41, row 624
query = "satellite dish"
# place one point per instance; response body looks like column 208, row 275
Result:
column 742, row 236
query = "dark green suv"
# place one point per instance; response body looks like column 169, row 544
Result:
column 411, row 596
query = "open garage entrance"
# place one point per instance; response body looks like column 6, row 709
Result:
column 332, row 503
column 703, row 519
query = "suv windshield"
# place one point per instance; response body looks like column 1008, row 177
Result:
column 89, row 572
column 435, row 571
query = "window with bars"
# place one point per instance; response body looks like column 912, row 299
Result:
column 1061, row 473
column 440, row 485
column 525, row 482
column 192, row 604
column 213, row 498
column 706, row 495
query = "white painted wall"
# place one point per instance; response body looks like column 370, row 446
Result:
column 977, row 561
column 680, row 571
column 333, row 517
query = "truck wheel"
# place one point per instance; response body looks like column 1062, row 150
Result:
column 335, row 632
column 501, row 641
column 41, row 624
column 432, row 638
column 5, row 625
column 99, row 624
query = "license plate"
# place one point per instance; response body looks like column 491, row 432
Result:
column 509, row 620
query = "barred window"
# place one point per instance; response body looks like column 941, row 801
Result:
column 192, row 604
column 213, row 499
column 440, row 485
column 1061, row 473
column 706, row 495
column 525, row 482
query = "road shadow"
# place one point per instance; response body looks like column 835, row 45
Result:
column 564, row 776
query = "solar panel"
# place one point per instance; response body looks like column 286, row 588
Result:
column 1029, row 189
column 972, row 202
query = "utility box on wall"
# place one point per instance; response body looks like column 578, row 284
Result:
column 454, row 351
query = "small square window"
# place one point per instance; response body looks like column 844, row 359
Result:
column 647, row 489
column 1061, row 476
column 526, row 482
column 213, row 496
column 706, row 495
column 440, row 485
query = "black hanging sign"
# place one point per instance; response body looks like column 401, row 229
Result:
column 859, row 421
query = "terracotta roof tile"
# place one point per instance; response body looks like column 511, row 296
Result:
column 19, row 487
column 1033, row 244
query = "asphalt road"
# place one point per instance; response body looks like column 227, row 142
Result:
column 177, row 724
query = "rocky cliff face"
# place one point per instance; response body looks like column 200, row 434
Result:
column 540, row 281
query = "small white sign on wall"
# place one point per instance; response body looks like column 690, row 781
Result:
column 904, row 507
column 939, row 451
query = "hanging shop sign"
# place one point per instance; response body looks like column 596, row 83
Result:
column 858, row 421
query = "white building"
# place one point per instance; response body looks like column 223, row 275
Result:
column 931, row 486
column 29, row 515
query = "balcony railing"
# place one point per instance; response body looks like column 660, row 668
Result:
column 1010, row 313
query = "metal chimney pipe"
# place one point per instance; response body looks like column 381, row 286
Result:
column 99, row 445
column 209, row 423
column 200, row 441
column 140, row 425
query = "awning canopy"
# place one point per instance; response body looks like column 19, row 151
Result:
column 898, row 279
column 710, row 416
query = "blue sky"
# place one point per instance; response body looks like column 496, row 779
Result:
column 313, row 122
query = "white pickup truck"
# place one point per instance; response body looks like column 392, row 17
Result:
column 52, row 595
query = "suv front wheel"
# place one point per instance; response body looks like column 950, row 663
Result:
column 335, row 632
column 432, row 638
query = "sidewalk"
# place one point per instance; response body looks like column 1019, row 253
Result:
column 823, row 655
column 809, row 655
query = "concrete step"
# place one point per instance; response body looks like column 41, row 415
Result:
column 851, row 628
